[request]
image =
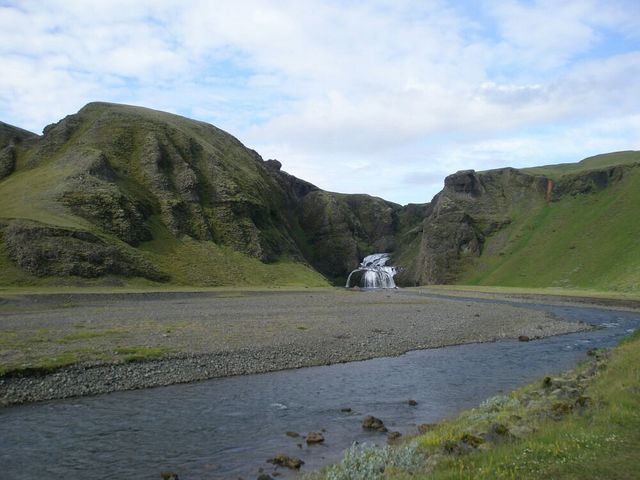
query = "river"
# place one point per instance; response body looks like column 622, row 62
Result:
column 228, row 427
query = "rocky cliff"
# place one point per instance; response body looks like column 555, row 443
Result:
column 102, row 188
column 482, row 221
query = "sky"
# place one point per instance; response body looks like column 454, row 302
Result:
column 377, row 97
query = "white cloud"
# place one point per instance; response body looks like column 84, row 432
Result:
column 370, row 97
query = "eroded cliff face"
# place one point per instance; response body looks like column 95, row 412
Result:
column 474, row 206
column 471, row 206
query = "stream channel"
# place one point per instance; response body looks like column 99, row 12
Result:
column 228, row 427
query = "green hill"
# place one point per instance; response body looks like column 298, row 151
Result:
column 120, row 193
column 588, row 236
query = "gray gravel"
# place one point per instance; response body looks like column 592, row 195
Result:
column 233, row 333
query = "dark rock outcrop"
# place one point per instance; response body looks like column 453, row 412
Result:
column 286, row 461
column 53, row 251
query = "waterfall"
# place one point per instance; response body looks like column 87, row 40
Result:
column 373, row 272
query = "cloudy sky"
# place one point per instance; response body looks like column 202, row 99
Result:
column 379, row 97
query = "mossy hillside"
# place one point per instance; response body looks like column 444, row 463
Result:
column 582, row 241
column 111, row 169
column 472, row 206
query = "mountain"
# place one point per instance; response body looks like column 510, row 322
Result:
column 570, row 225
column 117, row 194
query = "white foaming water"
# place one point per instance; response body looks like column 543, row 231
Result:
column 373, row 272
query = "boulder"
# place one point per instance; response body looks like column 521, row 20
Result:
column 314, row 437
column 372, row 423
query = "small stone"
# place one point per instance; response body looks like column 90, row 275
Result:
column 412, row 403
column 286, row 461
column 345, row 410
column 264, row 476
column 523, row 338
column 292, row 434
column 169, row 476
column 314, row 437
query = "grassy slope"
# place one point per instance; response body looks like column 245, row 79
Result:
column 32, row 193
column 591, row 163
column 588, row 241
column 601, row 442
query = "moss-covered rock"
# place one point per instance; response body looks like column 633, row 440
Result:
column 51, row 251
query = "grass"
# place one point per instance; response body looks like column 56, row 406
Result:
column 206, row 264
column 582, row 242
column 45, row 349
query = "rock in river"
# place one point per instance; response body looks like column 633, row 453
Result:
column 315, row 437
column 286, row 461
column 373, row 423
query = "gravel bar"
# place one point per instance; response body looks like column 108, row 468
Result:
column 217, row 334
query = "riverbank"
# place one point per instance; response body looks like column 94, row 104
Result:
column 73, row 345
column 581, row 424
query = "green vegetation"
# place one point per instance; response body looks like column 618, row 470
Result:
column 45, row 349
column 581, row 425
column 599, row 441
column 587, row 241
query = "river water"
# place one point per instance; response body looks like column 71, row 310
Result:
column 227, row 428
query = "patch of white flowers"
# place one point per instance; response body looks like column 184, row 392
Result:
column 368, row 462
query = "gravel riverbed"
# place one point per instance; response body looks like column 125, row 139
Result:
column 215, row 334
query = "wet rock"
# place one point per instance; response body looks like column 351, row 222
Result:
column 372, row 423
column 412, row 403
column 169, row 476
column 264, row 476
column 393, row 436
column 292, row 434
column 314, row 437
column 346, row 410
column 523, row 338
column 283, row 460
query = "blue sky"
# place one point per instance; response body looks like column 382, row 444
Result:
column 379, row 97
